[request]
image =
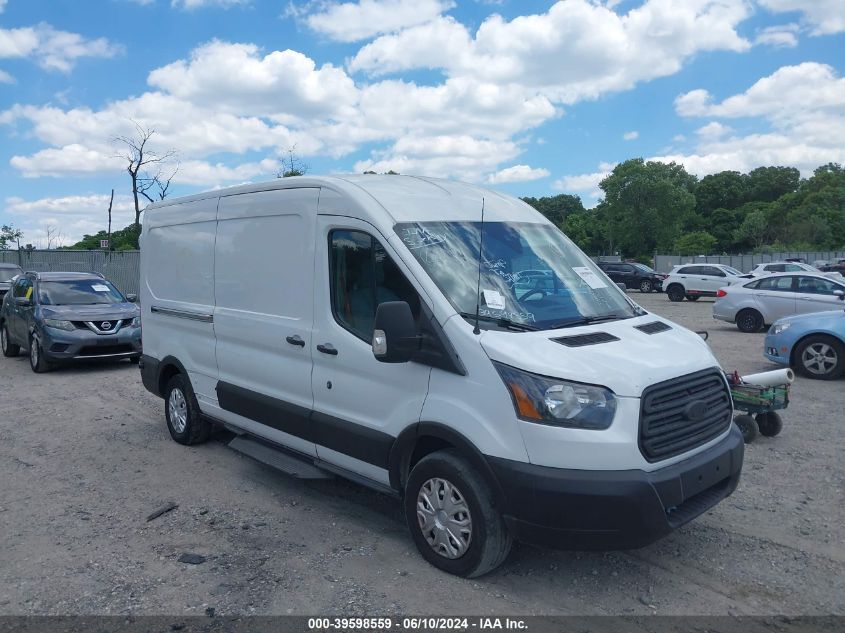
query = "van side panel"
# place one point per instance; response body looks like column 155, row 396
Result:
column 263, row 273
column 177, row 289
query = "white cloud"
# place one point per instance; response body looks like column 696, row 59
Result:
column 780, row 36
column 517, row 173
column 577, row 50
column 70, row 160
column 353, row 21
column 201, row 173
column 585, row 185
column 713, row 130
column 631, row 136
column 2, row 5
column 823, row 17
column 6, row 78
column 53, row 49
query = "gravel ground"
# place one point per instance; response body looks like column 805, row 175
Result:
column 85, row 457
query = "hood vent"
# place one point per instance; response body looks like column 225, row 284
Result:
column 581, row 340
column 653, row 327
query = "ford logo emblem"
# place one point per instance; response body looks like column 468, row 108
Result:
column 105, row 325
column 695, row 410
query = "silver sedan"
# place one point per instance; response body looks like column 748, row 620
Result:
column 764, row 300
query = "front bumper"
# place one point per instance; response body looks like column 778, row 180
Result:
column 79, row 344
column 606, row 510
column 776, row 350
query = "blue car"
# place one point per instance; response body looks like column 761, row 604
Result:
column 812, row 344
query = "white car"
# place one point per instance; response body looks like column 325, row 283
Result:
column 764, row 300
column 692, row 281
column 790, row 267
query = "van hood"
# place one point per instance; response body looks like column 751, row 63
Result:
column 105, row 312
column 625, row 366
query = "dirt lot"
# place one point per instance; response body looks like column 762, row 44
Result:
column 85, row 457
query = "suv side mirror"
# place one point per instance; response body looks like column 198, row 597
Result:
column 132, row 298
column 395, row 337
column 840, row 294
column 22, row 302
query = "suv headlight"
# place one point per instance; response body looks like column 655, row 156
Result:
column 777, row 328
column 59, row 324
column 558, row 402
column 136, row 322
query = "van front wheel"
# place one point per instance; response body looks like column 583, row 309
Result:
column 182, row 412
column 449, row 510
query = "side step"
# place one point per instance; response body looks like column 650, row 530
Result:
column 285, row 462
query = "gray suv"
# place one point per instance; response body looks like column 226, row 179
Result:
column 68, row 316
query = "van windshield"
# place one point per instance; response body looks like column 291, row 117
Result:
column 531, row 274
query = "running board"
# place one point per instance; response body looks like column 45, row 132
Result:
column 285, row 462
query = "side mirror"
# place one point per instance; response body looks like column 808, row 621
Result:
column 840, row 294
column 395, row 337
column 132, row 298
column 22, row 302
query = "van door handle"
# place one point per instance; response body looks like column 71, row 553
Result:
column 327, row 348
column 296, row 339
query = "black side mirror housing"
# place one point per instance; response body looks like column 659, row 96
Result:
column 132, row 298
column 395, row 338
column 22, row 302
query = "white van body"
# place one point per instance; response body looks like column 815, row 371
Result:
column 246, row 297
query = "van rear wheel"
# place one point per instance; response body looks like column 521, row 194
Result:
column 449, row 510
column 182, row 412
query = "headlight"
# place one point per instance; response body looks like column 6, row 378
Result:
column 136, row 322
column 59, row 325
column 558, row 402
column 777, row 328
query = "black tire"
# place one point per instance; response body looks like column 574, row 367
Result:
column 748, row 426
column 134, row 359
column 820, row 346
column 693, row 297
column 770, row 424
column 675, row 292
column 37, row 361
column 196, row 428
column 10, row 350
column 749, row 321
column 646, row 286
column 489, row 539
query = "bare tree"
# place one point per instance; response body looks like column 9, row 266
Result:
column 54, row 238
column 141, row 159
column 292, row 165
column 160, row 182
column 111, row 201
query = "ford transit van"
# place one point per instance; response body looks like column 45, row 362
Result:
column 374, row 327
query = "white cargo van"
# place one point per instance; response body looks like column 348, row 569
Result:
column 332, row 324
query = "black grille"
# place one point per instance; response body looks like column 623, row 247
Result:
column 669, row 428
column 580, row 340
column 654, row 327
column 102, row 350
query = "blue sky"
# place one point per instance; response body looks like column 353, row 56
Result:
column 533, row 98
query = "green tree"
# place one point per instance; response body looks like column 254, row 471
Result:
column 557, row 208
column 724, row 190
column 754, row 227
column 9, row 235
column 697, row 243
column 767, row 184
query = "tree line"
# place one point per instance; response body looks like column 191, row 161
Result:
column 651, row 207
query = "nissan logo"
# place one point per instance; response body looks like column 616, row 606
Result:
column 695, row 410
column 105, row 325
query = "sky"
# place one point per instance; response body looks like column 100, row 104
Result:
column 530, row 98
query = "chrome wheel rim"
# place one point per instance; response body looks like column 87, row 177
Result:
column 645, row 286
column 3, row 341
column 177, row 407
column 819, row 359
column 33, row 353
column 444, row 518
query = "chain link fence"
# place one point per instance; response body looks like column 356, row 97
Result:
column 664, row 263
column 122, row 268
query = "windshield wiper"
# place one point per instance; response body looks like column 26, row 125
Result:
column 501, row 322
column 588, row 320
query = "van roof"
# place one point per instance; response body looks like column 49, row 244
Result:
column 404, row 198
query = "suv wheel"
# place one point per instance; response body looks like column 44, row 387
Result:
column 646, row 286
column 450, row 512
column 9, row 349
column 37, row 360
column 182, row 412
column 675, row 292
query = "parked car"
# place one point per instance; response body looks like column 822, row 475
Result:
column 790, row 267
column 345, row 339
column 7, row 273
column 692, row 281
column 58, row 317
column 812, row 344
column 764, row 300
column 633, row 275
